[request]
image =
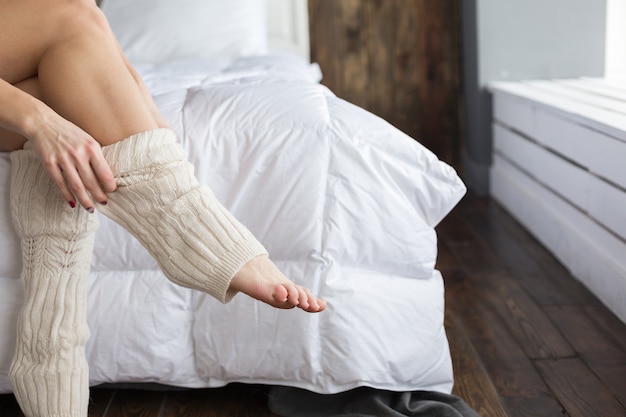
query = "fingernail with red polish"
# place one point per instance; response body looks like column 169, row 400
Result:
column 72, row 204
column 104, row 203
column 90, row 210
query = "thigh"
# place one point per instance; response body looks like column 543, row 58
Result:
column 29, row 27
column 82, row 74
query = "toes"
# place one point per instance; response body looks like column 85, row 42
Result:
column 310, row 303
column 294, row 295
column 303, row 297
column 314, row 307
column 286, row 296
column 280, row 294
column 316, row 304
column 291, row 295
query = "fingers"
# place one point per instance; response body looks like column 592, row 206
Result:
column 92, row 184
column 82, row 175
column 103, row 172
column 59, row 181
column 75, row 184
column 74, row 160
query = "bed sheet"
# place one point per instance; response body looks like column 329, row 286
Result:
column 345, row 204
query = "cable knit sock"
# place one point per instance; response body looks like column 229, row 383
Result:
column 49, row 373
column 197, row 243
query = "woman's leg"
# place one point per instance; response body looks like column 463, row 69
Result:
column 83, row 76
column 196, row 241
column 49, row 372
column 69, row 46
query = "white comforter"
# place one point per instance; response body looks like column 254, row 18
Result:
column 345, row 204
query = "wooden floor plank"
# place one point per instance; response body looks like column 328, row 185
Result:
column 599, row 350
column 466, row 247
column 233, row 400
column 445, row 257
column 555, row 285
column 518, row 256
column 454, row 230
column 9, row 406
column 509, row 251
column 609, row 322
column 578, row 389
column 472, row 383
column 586, row 336
column 476, row 257
column 521, row 388
column 99, row 401
column 525, row 319
column 456, row 236
column 135, row 403
column 529, row 324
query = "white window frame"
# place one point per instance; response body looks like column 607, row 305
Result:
column 615, row 57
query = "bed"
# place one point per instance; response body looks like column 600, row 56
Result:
column 344, row 202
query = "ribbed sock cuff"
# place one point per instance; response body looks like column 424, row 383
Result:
column 37, row 206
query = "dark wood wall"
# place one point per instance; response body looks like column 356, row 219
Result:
column 400, row 59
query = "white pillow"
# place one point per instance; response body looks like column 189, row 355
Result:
column 155, row 31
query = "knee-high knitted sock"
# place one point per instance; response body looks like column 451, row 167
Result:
column 49, row 373
column 197, row 243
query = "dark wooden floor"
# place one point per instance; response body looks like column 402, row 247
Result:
column 526, row 338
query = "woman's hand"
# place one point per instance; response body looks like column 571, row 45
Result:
column 74, row 160
column 72, row 157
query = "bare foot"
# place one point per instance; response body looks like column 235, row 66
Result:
column 262, row 280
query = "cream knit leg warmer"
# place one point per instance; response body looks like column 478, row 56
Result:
column 49, row 373
column 197, row 243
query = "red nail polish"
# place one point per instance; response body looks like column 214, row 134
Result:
column 104, row 203
column 72, row 204
column 90, row 210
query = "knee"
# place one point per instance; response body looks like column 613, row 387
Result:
column 81, row 18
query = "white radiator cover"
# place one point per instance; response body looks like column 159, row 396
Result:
column 559, row 167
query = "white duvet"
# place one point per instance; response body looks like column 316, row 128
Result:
column 344, row 203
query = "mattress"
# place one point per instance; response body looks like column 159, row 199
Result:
column 344, row 202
